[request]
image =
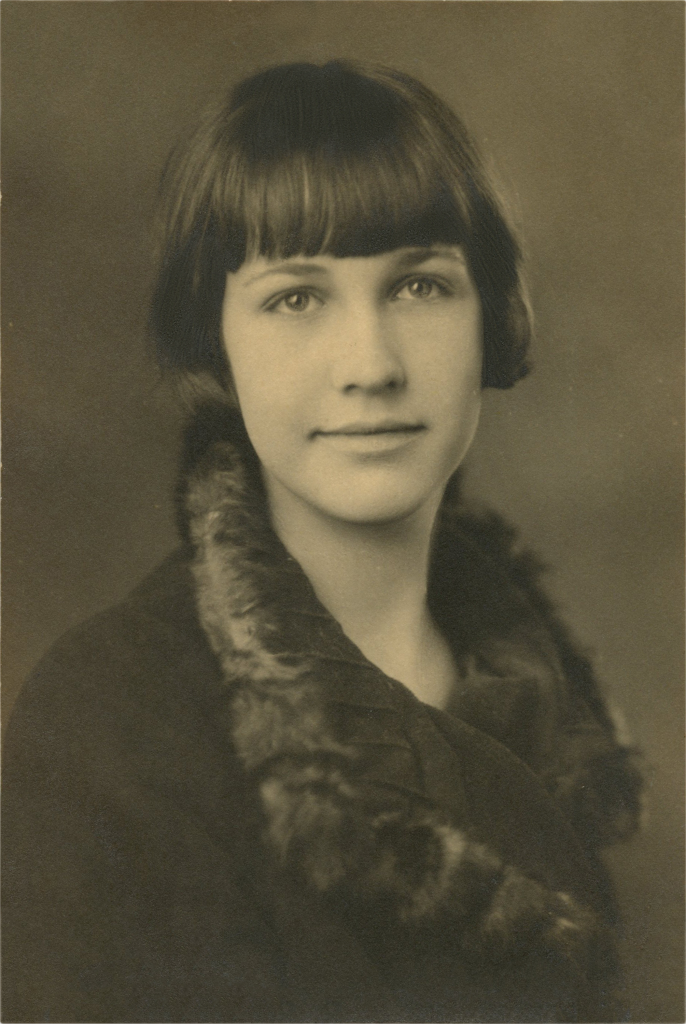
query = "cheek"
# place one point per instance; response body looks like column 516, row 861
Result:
column 453, row 371
column 250, row 361
column 259, row 398
column 252, row 385
column 270, row 397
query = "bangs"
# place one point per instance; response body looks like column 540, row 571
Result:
column 323, row 171
column 359, row 207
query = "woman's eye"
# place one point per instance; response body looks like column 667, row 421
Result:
column 293, row 302
column 420, row 288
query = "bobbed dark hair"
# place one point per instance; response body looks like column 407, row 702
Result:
column 341, row 159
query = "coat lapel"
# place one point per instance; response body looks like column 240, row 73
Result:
column 348, row 805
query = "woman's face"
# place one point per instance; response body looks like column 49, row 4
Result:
column 359, row 379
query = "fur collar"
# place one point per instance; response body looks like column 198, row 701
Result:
column 325, row 824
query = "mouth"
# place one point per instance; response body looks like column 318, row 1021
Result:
column 363, row 429
column 384, row 440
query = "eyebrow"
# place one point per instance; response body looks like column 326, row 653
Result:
column 288, row 267
column 410, row 258
column 419, row 255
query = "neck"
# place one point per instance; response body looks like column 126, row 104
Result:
column 373, row 579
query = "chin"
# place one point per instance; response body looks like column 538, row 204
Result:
column 374, row 510
column 356, row 499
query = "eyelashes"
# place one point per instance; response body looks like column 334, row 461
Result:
column 422, row 288
column 294, row 302
column 419, row 288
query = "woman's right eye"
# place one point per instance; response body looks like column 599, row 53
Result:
column 296, row 301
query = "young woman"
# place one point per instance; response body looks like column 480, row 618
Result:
column 337, row 759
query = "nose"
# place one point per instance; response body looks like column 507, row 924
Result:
column 365, row 355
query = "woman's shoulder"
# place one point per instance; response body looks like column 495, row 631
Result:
column 114, row 683
column 498, row 585
column 527, row 680
column 119, row 804
column 158, row 609
column 505, row 556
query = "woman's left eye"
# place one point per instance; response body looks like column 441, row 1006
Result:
column 420, row 288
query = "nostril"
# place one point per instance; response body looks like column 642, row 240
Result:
column 367, row 359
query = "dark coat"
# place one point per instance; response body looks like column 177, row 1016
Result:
column 216, row 809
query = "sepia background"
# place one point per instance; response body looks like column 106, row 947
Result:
column 581, row 108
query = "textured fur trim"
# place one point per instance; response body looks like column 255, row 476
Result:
column 591, row 767
column 320, row 825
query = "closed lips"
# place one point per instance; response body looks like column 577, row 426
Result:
column 362, row 429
